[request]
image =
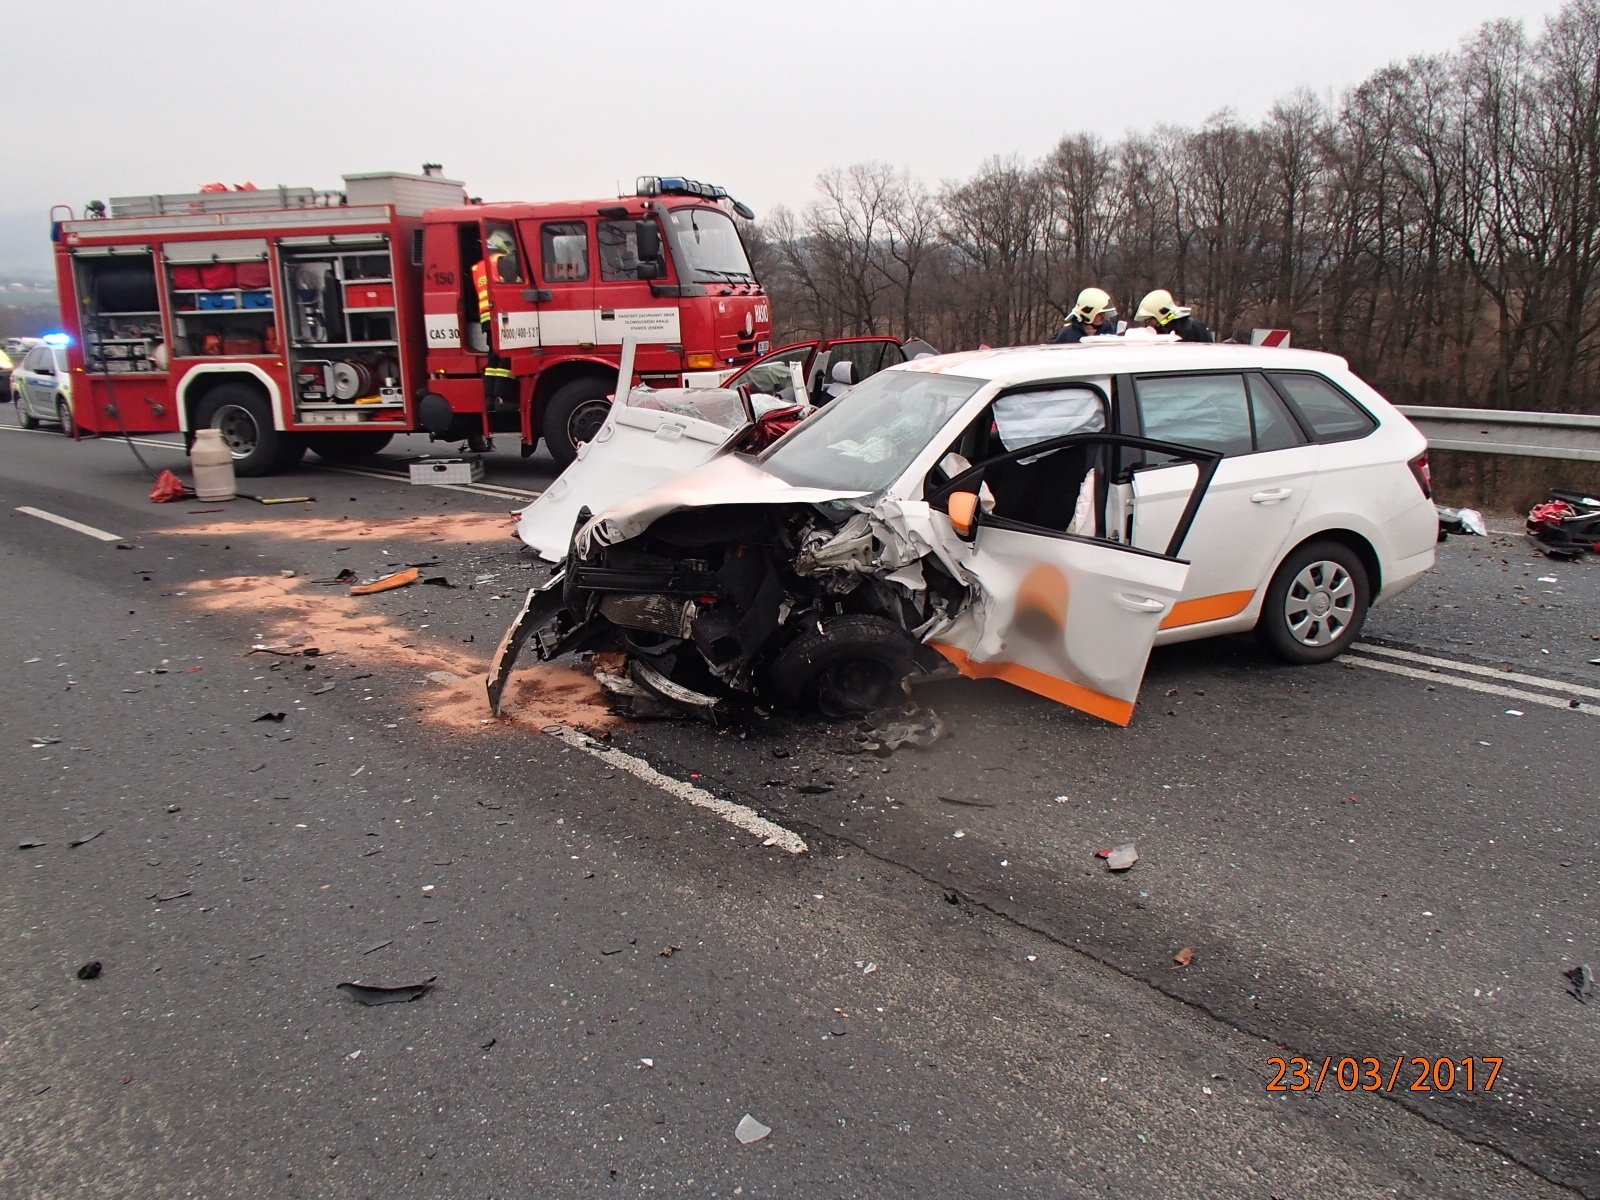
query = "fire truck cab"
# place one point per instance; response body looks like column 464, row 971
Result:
column 565, row 283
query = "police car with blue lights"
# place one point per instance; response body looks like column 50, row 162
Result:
column 41, row 387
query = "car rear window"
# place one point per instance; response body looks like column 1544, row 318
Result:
column 1323, row 408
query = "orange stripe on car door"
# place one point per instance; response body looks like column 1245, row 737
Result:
column 1097, row 704
column 1207, row 608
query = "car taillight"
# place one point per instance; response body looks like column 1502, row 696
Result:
column 1423, row 473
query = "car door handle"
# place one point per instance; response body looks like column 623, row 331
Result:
column 1271, row 495
column 1140, row 604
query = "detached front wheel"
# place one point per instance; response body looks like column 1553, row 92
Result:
column 1316, row 603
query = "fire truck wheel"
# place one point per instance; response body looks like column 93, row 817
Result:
column 575, row 414
column 246, row 424
column 347, row 447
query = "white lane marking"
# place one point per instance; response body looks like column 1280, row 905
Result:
column 497, row 493
column 1471, row 685
column 1554, row 685
column 745, row 818
column 68, row 523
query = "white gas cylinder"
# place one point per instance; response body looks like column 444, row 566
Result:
column 213, row 466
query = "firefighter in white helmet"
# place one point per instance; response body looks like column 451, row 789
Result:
column 1092, row 314
column 1160, row 312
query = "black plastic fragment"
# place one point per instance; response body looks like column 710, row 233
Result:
column 90, row 970
column 269, row 716
column 370, row 995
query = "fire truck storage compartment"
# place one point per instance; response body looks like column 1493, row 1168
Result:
column 344, row 349
column 222, row 301
column 121, row 310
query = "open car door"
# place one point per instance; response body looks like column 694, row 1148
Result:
column 1059, row 606
column 653, row 438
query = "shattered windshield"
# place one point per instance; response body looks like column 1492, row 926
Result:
column 718, row 406
column 709, row 245
column 864, row 440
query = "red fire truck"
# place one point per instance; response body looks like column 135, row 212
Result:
column 292, row 319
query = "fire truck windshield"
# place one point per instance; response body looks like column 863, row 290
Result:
column 708, row 245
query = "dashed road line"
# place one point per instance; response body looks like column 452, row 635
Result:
column 68, row 523
column 1473, row 685
column 1429, row 660
column 477, row 489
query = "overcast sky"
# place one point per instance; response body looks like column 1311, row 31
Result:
column 539, row 100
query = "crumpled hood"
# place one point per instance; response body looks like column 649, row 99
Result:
column 731, row 479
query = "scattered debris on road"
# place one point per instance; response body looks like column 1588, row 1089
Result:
column 29, row 844
column 1582, row 981
column 1467, row 521
column 388, row 583
column 276, row 717
column 1566, row 524
column 888, row 729
column 84, row 841
column 370, row 994
column 297, row 646
column 750, row 1130
column 1184, row 957
column 160, row 899
column 1119, row 858
column 668, row 951
column 90, row 970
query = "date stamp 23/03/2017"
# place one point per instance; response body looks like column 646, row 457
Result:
column 1377, row 1075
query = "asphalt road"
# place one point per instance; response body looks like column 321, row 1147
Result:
column 945, row 995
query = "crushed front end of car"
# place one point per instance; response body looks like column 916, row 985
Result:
column 800, row 601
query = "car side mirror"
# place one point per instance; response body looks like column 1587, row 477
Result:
column 647, row 237
column 963, row 510
column 649, row 268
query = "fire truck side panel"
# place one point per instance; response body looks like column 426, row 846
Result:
column 317, row 310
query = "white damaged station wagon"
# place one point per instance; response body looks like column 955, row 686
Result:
column 1041, row 515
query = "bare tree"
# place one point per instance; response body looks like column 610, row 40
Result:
column 1439, row 225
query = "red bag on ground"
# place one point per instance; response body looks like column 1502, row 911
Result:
column 168, row 488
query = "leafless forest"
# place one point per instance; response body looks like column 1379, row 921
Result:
column 1439, row 225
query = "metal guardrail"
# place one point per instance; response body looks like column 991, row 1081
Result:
column 1492, row 431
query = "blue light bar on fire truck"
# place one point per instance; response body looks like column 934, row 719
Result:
column 678, row 185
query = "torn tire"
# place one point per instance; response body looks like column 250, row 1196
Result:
column 844, row 666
